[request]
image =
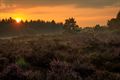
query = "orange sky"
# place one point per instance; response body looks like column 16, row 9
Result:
column 84, row 16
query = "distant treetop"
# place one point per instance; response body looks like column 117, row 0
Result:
column 118, row 15
column 114, row 22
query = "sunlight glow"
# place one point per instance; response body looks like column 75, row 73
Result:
column 18, row 20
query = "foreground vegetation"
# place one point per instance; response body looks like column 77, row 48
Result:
column 91, row 54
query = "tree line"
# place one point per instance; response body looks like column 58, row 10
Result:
column 10, row 26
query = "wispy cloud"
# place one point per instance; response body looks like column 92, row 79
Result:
column 78, row 3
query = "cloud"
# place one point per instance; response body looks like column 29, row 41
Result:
column 78, row 3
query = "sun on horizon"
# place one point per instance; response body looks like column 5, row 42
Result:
column 18, row 20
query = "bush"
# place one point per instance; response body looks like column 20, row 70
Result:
column 3, row 63
column 61, row 71
column 12, row 72
column 104, row 75
column 35, row 75
column 22, row 63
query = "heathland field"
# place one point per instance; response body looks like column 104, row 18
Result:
column 91, row 54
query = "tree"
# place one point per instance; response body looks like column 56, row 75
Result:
column 11, row 20
column 53, row 22
column 70, row 24
column 114, row 22
column 97, row 27
column 118, row 15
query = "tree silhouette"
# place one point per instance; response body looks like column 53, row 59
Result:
column 118, row 15
column 97, row 27
column 70, row 24
column 114, row 22
column 9, row 26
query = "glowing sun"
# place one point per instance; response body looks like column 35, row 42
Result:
column 18, row 20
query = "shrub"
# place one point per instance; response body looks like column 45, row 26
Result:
column 3, row 63
column 61, row 71
column 83, row 69
column 12, row 72
column 35, row 75
column 104, row 75
column 22, row 63
column 41, row 60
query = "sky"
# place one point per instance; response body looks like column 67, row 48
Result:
column 86, row 12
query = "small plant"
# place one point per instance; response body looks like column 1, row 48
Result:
column 22, row 63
